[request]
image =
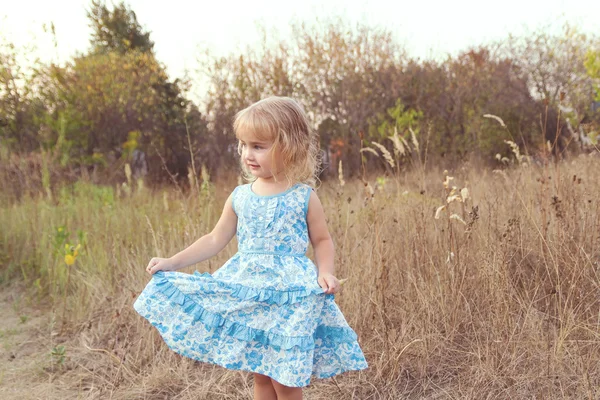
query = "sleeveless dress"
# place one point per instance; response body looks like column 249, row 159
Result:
column 263, row 310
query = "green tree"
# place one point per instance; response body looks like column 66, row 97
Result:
column 100, row 107
column 117, row 29
column 104, row 106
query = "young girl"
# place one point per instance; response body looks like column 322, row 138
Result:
column 268, row 309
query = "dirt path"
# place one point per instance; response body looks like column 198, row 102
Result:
column 27, row 337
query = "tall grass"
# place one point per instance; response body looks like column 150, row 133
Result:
column 497, row 297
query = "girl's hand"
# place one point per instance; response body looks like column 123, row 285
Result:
column 160, row 264
column 330, row 283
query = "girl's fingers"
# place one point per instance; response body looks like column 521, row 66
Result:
column 154, row 268
column 330, row 284
column 151, row 265
column 323, row 283
column 333, row 286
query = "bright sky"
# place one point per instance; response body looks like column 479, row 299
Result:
column 428, row 28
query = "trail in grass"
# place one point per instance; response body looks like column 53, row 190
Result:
column 27, row 337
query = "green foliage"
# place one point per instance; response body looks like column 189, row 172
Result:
column 58, row 355
column 60, row 237
column 397, row 119
column 107, row 105
column 116, row 30
column 592, row 65
column 18, row 109
column 131, row 144
column 87, row 193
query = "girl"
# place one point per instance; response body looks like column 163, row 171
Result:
column 268, row 309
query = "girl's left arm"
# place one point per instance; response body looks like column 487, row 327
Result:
column 322, row 244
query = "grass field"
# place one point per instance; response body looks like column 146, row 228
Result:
column 496, row 296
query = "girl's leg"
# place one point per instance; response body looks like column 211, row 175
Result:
column 286, row 392
column 263, row 388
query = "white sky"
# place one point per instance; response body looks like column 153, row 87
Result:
column 428, row 28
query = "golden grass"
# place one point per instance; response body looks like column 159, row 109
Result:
column 499, row 297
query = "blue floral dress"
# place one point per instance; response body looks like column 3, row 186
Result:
column 263, row 310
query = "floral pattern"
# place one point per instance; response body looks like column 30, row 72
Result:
column 263, row 310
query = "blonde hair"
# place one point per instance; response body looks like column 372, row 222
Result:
column 283, row 121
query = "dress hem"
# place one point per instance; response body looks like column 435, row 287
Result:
column 233, row 367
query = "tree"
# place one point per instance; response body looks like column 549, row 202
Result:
column 453, row 96
column 19, row 109
column 116, row 30
column 554, row 66
column 119, row 96
column 343, row 75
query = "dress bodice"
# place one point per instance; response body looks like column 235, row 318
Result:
column 273, row 224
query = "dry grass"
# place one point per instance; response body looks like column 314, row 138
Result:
column 502, row 302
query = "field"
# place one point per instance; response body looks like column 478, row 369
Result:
column 495, row 296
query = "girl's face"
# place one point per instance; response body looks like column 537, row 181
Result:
column 258, row 156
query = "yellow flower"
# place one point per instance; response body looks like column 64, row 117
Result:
column 67, row 246
column 69, row 259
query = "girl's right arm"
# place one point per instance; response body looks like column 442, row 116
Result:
column 203, row 248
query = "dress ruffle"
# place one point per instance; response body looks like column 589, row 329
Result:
column 222, row 326
column 270, row 296
column 270, row 214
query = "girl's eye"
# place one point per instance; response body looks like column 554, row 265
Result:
column 257, row 147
